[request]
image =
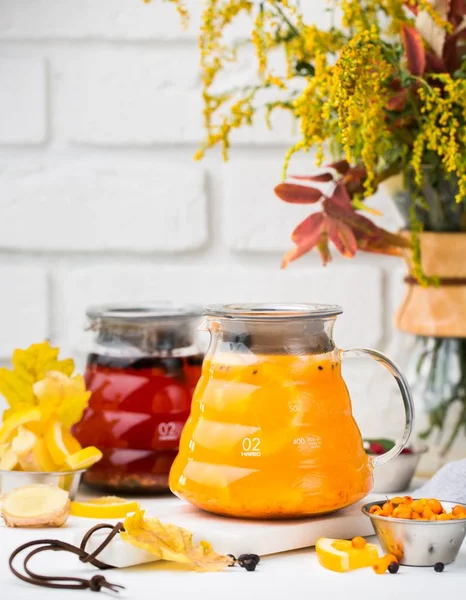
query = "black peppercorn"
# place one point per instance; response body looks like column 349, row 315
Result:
column 320, row 368
column 248, row 561
column 438, row 567
column 393, row 567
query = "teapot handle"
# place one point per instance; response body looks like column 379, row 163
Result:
column 405, row 395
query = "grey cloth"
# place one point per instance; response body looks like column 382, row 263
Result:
column 449, row 484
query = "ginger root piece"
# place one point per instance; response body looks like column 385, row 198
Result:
column 37, row 505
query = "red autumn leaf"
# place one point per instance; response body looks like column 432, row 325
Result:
column 457, row 12
column 398, row 101
column 378, row 246
column 305, row 236
column 361, row 226
column 355, row 174
column 297, row 194
column 342, row 236
column 451, row 56
column 322, row 177
column 322, row 247
column 341, row 166
column 410, row 5
column 414, row 50
column 339, row 202
column 434, row 64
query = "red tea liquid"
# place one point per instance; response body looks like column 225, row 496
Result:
column 135, row 416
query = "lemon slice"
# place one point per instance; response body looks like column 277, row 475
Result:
column 3, row 449
column 22, row 417
column 38, row 459
column 9, row 460
column 107, row 507
column 60, row 443
column 341, row 556
column 82, row 459
column 23, row 441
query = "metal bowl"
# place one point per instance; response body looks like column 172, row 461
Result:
column 395, row 476
column 419, row 543
column 66, row 480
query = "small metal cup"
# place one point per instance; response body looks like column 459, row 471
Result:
column 419, row 543
column 66, row 480
column 395, row 476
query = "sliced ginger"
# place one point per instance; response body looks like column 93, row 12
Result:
column 37, row 505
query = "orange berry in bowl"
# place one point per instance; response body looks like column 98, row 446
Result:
column 403, row 512
column 397, row 500
column 387, row 509
column 375, row 510
column 418, row 507
column 435, row 506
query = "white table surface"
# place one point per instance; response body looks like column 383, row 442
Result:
column 290, row 575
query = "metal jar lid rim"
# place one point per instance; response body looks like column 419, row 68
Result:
column 272, row 311
column 142, row 313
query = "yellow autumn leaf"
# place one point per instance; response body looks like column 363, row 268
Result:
column 30, row 366
column 61, row 397
column 172, row 543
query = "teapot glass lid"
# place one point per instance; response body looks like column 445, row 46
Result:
column 273, row 311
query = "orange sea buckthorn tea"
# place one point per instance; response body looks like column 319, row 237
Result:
column 271, row 432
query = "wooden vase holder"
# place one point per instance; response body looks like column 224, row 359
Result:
column 436, row 311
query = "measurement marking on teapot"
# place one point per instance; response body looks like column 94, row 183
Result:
column 251, row 446
column 299, row 441
column 295, row 407
column 168, row 431
column 310, row 440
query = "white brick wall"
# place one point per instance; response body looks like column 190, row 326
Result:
column 24, row 314
column 70, row 207
column 22, row 94
column 100, row 200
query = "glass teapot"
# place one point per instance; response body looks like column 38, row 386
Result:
column 271, row 432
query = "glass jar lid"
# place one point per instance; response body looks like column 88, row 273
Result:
column 273, row 311
column 126, row 313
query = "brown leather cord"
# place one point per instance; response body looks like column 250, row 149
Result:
column 447, row 281
column 95, row 584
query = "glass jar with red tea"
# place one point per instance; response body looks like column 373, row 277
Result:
column 142, row 370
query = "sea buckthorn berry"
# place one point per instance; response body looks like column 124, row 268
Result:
column 435, row 506
column 383, row 563
column 457, row 510
column 418, row 506
column 416, row 516
column 398, row 553
column 403, row 512
column 444, row 517
column 423, row 500
column 427, row 513
column 358, row 542
column 407, row 499
column 387, row 509
column 397, row 500
column 375, row 509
